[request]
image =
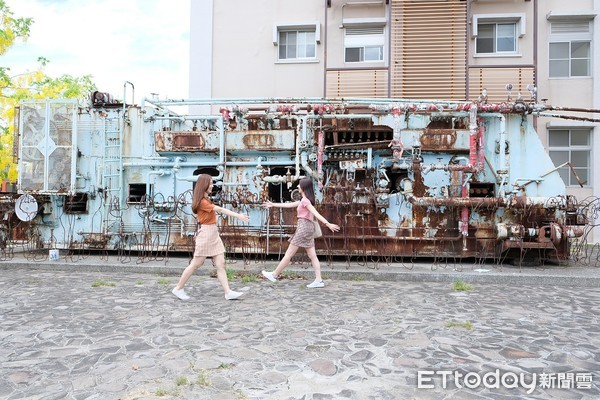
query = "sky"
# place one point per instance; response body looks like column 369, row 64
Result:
column 145, row 42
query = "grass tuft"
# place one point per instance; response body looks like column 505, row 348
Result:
column 461, row 286
column 100, row 282
column 467, row 325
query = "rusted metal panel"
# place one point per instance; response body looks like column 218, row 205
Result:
column 190, row 141
column 262, row 140
column 401, row 180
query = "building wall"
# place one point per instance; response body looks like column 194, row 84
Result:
column 201, row 45
column 343, row 14
column 244, row 62
column 580, row 92
column 525, row 45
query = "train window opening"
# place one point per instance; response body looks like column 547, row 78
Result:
column 76, row 204
column 441, row 123
column 217, row 189
column 360, row 175
column 482, row 189
column 396, row 179
column 137, row 193
column 280, row 192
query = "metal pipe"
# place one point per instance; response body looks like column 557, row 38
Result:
column 160, row 172
column 320, row 151
column 304, row 161
column 546, row 202
column 259, row 163
column 473, row 134
column 185, row 117
column 502, row 161
column 464, row 223
column 481, row 143
column 74, row 148
column 489, row 202
column 300, row 100
column 221, row 128
column 170, row 164
column 486, row 202
column 550, row 115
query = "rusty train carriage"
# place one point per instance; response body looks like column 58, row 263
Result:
column 402, row 178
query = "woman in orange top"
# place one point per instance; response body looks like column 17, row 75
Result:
column 208, row 241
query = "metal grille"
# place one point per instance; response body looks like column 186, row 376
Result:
column 428, row 49
column 496, row 79
column 357, row 83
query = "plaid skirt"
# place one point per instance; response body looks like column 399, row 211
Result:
column 304, row 234
column 208, row 242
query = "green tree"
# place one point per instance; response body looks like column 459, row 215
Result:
column 29, row 85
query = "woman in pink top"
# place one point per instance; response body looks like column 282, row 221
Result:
column 303, row 237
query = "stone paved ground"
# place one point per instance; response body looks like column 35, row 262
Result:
column 61, row 337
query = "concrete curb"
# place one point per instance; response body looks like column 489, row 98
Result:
column 419, row 272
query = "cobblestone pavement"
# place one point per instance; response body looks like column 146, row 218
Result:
column 84, row 334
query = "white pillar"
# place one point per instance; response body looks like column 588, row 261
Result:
column 201, row 57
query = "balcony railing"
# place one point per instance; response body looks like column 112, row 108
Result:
column 357, row 83
column 495, row 80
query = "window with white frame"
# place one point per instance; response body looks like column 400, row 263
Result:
column 574, row 146
column 296, row 42
column 364, row 44
column 497, row 33
column 496, row 38
column 570, row 49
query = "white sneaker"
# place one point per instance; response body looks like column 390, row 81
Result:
column 316, row 284
column 269, row 276
column 181, row 294
column 232, row 295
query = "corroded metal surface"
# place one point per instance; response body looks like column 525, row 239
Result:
column 402, row 179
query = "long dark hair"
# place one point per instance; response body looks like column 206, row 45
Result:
column 202, row 184
column 306, row 184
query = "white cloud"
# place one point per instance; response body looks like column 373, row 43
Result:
column 145, row 42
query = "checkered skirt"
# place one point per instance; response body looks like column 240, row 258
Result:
column 208, row 242
column 304, row 234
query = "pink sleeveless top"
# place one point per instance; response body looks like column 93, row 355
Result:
column 303, row 212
